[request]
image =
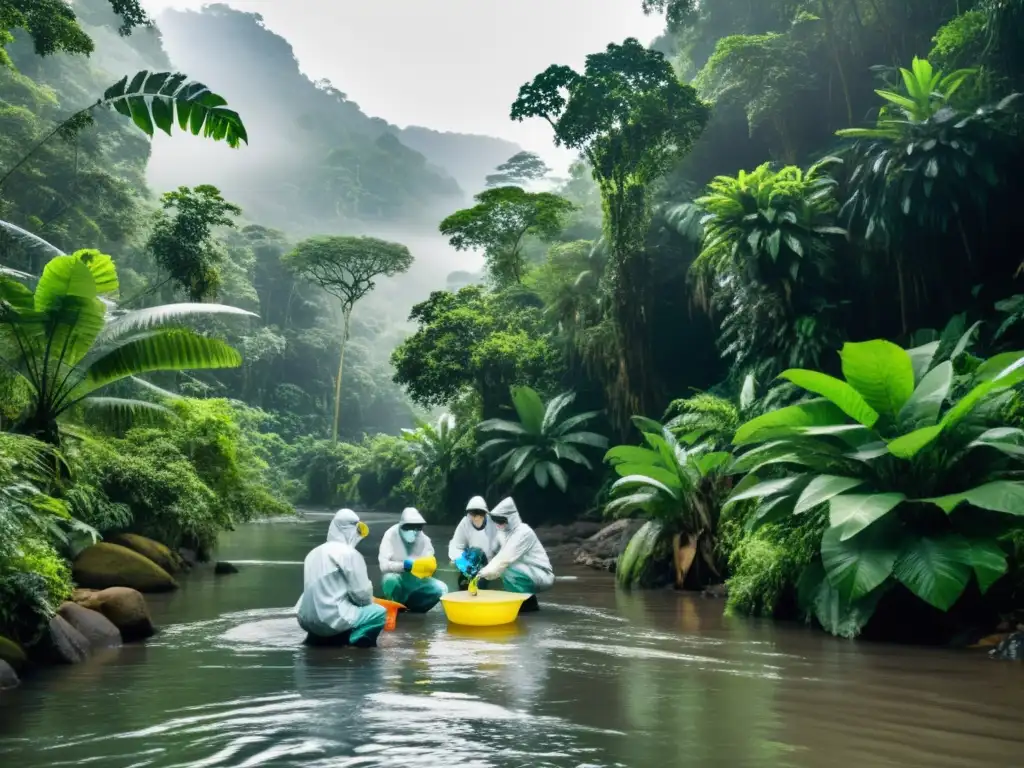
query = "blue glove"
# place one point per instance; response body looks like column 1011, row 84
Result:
column 463, row 564
column 407, row 565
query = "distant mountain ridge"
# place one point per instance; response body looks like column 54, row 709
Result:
column 315, row 157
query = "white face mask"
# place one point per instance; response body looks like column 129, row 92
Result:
column 408, row 536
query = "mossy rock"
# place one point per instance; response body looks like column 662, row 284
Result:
column 647, row 560
column 111, row 565
column 154, row 550
column 12, row 653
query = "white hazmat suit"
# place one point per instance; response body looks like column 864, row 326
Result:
column 468, row 536
column 521, row 563
column 337, row 595
column 398, row 549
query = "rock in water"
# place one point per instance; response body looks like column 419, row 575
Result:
column 94, row 626
column 111, row 565
column 8, row 677
column 125, row 608
column 13, row 654
column 170, row 561
column 188, row 557
column 65, row 644
column 222, row 568
column 1010, row 649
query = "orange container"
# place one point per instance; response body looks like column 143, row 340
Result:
column 392, row 608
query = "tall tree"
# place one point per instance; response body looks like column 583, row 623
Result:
column 182, row 239
column 520, row 169
column 347, row 268
column 633, row 120
column 499, row 223
column 53, row 25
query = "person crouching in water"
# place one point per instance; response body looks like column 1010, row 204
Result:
column 336, row 607
column 403, row 544
column 474, row 542
column 521, row 563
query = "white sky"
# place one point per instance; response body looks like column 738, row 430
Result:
column 451, row 65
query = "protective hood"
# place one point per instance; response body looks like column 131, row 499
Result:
column 507, row 508
column 344, row 527
column 411, row 516
column 477, row 503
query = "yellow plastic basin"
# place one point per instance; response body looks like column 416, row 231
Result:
column 488, row 608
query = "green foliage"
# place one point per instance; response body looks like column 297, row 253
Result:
column 54, row 28
column 632, row 120
column 919, row 475
column 499, row 223
column 59, row 341
column 666, row 481
column 541, row 440
column 182, row 240
column 479, row 340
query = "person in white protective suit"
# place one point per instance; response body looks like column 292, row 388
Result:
column 401, row 546
column 337, row 597
column 521, row 563
column 474, row 542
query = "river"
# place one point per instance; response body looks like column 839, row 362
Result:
column 598, row 678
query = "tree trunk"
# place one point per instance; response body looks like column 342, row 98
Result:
column 683, row 555
column 337, row 381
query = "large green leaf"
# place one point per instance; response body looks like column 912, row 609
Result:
column 631, row 454
column 63, row 276
column 171, row 350
column 646, row 481
column 780, row 422
column 151, row 99
column 660, row 474
column 555, row 407
column 501, row 425
column 998, row 496
column 166, row 314
column 574, row 421
column 709, row 462
column 104, row 274
column 1009, row 376
column 763, row 489
column 921, row 358
column 530, row 409
column 840, row 617
column 995, row 365
column 1008, row 440
column 585, row 438
column 859, row 565
column 909, row 445
column 847, row 398
column 558, row 475
column 935, row 569
column 988, row 560
column 821, row 489
column 881, row 372
column 923, row 407
column 852, row 513
column 570, row 452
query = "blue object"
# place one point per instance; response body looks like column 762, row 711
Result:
column 463, row 564
column 407, row 565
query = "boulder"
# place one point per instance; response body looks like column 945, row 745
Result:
column 170, row 561
column 125, row 608
column 603, row 549
column 222, row 568
column 8, row 677
column 715, row 592
column 93, row 625
column 64, row 644
column 111, row 565
column 12, row 653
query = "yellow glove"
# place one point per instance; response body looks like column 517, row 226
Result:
column 424, row 567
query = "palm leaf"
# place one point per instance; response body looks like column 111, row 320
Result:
column 501, row 425
column 530, row 409
column 144, row 319
column 171, row 350
column 153, row 100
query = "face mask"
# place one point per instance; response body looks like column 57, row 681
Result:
column 408, row 536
